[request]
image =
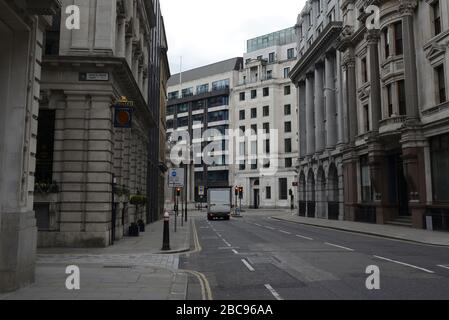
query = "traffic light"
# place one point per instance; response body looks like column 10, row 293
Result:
column 178, row 191
column 241, row 192
column 236, row 191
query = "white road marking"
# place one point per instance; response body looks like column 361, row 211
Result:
column 337, row 246
column 286, row 232
column 259, row 225
column 307, row 238
column 235, row 251
column 273, row 292
column 250, row 268
column 441, row 266
column 227, row 243
column 271, row 228
column 404, row 264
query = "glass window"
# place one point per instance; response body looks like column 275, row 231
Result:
column 170, row 110
column 266, row 92
column 266, row 111
column 220, row 85
column 288, row 145
column 218, row 116
column 218, row 101
column 291, row 53
column 283, row 194
column 242, row 96
column 386, row 42
column 184, row 107
column 364, row 71
column 441, row 84
column 268, row 193
column 439, row 153
column 266, row 127
column 288, row 162
column 269, row 74
column 253, row 113
column 365, row 180
column 436, row 18
column 253, row 94
column 401, row 98
column 287, row 110
column 398, row 38
column 198, row 118
column 366, row 118
column 170, row 124
column 389, row 101
column 173, row 95
column 198, row 105
column 188, row 92
column 271, row 57
column 242, row 115
column 182, row 122
column 286, row 72
column 204, row 88
column 287, row 90
column 287, row 126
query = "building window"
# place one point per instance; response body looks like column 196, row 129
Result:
column 218, row 101
column 291, row 53
column 436, row 18
column 218, row 116
column 266, row 111
column 366, row 117
column 287, row 110
column 266, row 92
column 242, row 165
column 271, row 57
column 288, row 145
column 170, row 124
column 283, row 193
column 242, row 96
column 401, row 98
column 170, row 110
column 182, row 122
column 254, row 129
column 187, row 92
column 198, row 105
column 253, row 94
column 45, row 146
column 182, row 108
column 242, row 115
column 286, row 72
column 386, row 43
column 220, row 85
column 287, row 126
column 253, row 113
column 441, row 84
column 173, row 95
column 269, row 74
column 398, row 39
column 267, row 146
column 288, row 162
column 364, row 71
column 266, row 127
column 389, row 101
column 204, row 88
column 268, row 193
column 439, row 154
column 287, row 90
column 365, row 180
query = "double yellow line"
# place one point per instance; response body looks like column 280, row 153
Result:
column 206, row 291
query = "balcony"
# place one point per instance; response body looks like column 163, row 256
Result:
column 391, row 125
column 255, row 80
column 43, row 7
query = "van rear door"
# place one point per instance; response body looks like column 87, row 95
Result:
column 220, row 201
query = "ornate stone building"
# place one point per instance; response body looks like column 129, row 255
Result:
column 318, row 76
column 22, row 29
column 392, row 132
column 97, row 166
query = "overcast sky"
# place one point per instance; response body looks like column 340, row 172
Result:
column 208, row 31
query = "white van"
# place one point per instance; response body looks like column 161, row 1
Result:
column 219, row 203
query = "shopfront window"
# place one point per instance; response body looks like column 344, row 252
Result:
column 367, row 193
column 439, row 153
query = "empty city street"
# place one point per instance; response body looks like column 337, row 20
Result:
column 259, row 258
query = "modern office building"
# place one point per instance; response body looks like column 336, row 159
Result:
column 318, row 77
column 199, row 99
column 264, row 99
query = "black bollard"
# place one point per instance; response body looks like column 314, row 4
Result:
column 166, row 240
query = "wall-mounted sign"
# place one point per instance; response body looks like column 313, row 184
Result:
column 94, row 76
column 123, row 113
column 176, row 178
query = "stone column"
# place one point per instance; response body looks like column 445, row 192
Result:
column 375, row 95
column 407, row 8
column 121, row 38
column 351, row 96
column 331, row 119
column 302, row 119
column 319, row 109
column 310, row 116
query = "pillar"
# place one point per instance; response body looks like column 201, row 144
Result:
column 331, row 119
column 319, row 109
column 310, row 115
column 375, row 95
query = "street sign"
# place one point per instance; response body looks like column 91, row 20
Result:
column 123, row 113
column 201, row 190
column 176, row 178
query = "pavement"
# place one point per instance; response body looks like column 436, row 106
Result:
column 387, row 231
column 260, row 258
column 132, row 269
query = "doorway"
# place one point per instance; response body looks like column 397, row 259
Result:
column 398, row 189
column 256, row 198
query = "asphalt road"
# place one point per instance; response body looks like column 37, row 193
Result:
column 258, row 258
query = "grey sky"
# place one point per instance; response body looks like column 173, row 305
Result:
column 207, row 31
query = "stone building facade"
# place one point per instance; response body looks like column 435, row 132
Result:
column 392, row 111
column 318, row 78
column 97, row 166
column 22, row 32
column 265, row 99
